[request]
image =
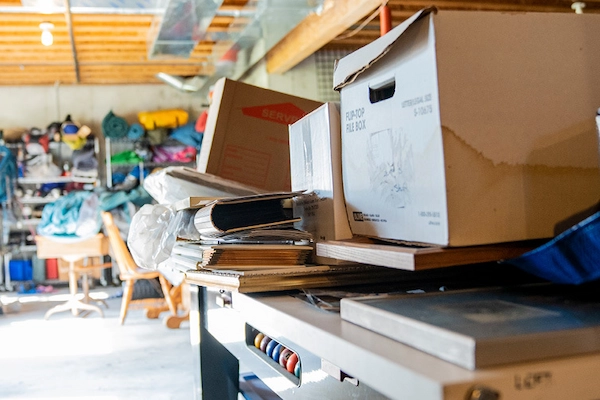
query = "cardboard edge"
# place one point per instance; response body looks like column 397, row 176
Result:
column 214, row 111
column 340, row 216
column 350, row 67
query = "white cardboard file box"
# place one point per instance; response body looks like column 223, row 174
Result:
column 464, row 128
column 316, row 166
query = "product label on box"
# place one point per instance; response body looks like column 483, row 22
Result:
column 317, row 216
column 284, row 113
column 359, row 216
column 355, row 120
column 419, row 105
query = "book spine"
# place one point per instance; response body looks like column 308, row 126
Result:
column 204, row 223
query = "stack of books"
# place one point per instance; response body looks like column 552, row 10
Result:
column 244, row 232
column 249, row 244
column 243, row 256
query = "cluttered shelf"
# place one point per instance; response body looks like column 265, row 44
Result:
column 57, row 171
column 159, row 139
column 57, row 179
column 454, row 197
column 453, row 232
column 246, row 247
column 339, row 359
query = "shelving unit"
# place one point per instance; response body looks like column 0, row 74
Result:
column 56, row 179
column 26, row 223
column 124, row 143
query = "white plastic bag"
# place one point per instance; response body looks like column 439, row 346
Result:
column 152, row 235
column 89, row 222
column 172, row 184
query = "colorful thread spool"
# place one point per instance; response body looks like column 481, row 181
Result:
column 297, row 369
column 277, row 352
column 284, row 356
column 291, row 362
column 264, row 343
column 257, row 339
column 270, row 347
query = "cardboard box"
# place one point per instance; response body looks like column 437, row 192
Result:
column 246, row 136
column 316, row 166
column 464, row 128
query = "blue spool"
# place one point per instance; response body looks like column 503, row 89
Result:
column 277, row 352
column 270, row 347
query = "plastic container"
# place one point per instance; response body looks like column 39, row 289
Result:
column 20, row 270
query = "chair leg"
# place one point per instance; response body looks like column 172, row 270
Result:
column 166, row 288
column 127, row 294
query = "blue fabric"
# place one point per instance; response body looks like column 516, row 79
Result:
column 8, row 173
column 187, row 135
column 118, row 177
column 111, row 200
column 114, row 126
column 573, row 257
column 135, row 131
column 61, row 216
column 135, row 172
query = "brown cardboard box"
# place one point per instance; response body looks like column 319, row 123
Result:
column 246, row 135
column 465, row 128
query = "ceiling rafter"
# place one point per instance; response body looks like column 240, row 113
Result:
column 113, row 47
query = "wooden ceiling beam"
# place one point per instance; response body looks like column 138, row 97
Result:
column 113, row 19
column 69, row 22
column 113, row 48
column 315, row 31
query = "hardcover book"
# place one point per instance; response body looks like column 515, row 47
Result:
column 233, row 214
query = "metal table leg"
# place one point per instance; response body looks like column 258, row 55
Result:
column 216, row 370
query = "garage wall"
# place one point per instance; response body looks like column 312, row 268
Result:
column 300, row 81
column 28, row 106
column 38, row 106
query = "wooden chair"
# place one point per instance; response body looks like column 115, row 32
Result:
column 129, row 273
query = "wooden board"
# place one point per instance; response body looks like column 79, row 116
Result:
column 419, row 258
column 304, row 277
column 48, row 247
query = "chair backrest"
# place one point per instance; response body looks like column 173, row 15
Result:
column 120, row 251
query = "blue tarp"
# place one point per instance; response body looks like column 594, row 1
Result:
column 573, row 257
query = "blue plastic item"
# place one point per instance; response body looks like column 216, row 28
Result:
column 135, row 131
column 573, row 257
column 20, row 270
column 187, row 135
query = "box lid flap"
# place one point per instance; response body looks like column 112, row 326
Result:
column 348, row 68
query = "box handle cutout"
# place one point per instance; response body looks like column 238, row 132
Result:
column 382, row 91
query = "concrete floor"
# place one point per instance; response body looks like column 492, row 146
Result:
column 90, row 358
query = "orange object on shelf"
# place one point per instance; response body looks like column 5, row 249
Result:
column 51, row 268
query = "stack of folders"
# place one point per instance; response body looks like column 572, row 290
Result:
column 243, row 256
column 244, row 233
column 292, row 277
column 249, row 244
